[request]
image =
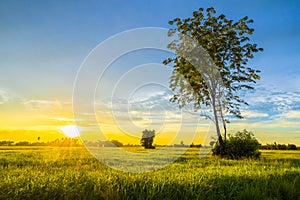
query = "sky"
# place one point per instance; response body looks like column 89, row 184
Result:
column 44, row 43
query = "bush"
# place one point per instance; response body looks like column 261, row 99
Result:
column 241, row 145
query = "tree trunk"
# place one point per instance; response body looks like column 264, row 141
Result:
column 225, row 131
column 220, row 139
column 224, row 123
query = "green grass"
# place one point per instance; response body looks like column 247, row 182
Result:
column 72, row 173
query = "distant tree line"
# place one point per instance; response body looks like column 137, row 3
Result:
column 6, row 143
column 63, row 142
column 276, row 146
column 186, row 145
column 76, row 143
column 99, row 143
column 73, row 142
column 67, row 142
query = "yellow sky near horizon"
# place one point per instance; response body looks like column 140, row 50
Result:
column 28, row 120
column 28, row 124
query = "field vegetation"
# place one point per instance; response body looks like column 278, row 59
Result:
column 73, row 173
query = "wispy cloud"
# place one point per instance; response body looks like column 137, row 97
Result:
column 291, row 114
column 254, row 114
column 272, row 102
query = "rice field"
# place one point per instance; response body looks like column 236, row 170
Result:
column 73, row 173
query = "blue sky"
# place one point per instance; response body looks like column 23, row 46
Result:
column 43, row 44
column 46, row 41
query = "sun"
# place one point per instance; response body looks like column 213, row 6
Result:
column 70, row 131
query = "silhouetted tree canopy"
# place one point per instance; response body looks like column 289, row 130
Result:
column 147, row 139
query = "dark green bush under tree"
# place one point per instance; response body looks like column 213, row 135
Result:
column 241, row 145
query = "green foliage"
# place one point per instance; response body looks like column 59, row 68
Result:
column 227, row 43
column 241, row 145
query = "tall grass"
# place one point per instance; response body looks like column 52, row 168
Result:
column 72, row 173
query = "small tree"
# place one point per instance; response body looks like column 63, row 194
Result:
column 242, row 144
column 147, row 139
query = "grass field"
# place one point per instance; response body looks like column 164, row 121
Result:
column 72, row 173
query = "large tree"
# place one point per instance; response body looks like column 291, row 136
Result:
column 211, row 71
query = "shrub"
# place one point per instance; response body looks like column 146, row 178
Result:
column 241, row 145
